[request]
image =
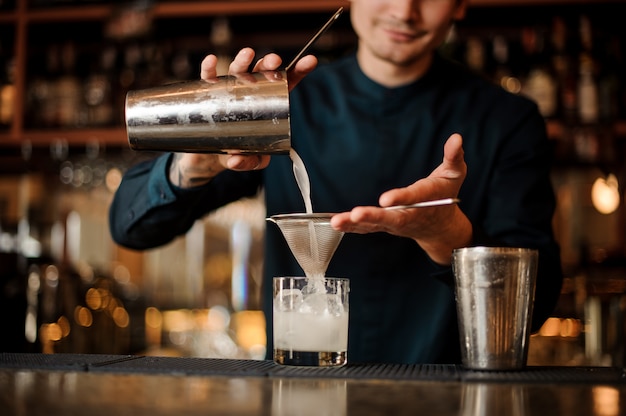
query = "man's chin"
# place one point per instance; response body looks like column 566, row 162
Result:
column 403, row 59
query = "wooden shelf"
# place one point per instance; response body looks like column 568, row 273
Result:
column 68, row 14
column 173, row 9
column 190, row 9
column 557, row 129
column 209, row 8
column 517, row 3
column 8, row 17
column 114, row 136
column 23, row 16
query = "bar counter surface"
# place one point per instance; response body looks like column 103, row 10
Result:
column 85, row 384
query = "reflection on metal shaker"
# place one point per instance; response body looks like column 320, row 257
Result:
column 244, row 113
column 489, row 399
column 495, row 288
column 309, row 397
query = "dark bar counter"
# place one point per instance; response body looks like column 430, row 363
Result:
column 77, row 384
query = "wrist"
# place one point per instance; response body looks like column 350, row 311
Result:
column 188, row 175
column 458, row 233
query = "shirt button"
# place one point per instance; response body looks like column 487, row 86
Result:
column 131, row 215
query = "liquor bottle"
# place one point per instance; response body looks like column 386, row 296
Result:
column 44, row 91
column 564, row 65
column 588, row 104
column 181, row 68
column 7, row 90
column 152, row 71
column 588, row 98
column 221, row 37
column 475, row 54
column 97, row 94
column 68, row 89
column 538, row 80
column 610, row 67
column 127, row 78
column 502, row 73
column 132, row 57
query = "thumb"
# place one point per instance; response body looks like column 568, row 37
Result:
column 453, row 156
column 303, row 67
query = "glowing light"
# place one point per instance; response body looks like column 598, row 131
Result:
column 154, row 319
column 571, row 328
column 605, row 194
column 113, row 304
column 83, row 316
column 106, row 297
column 511, row 84
column 179, row 320
column 64, row 325
column 33, row 281
column 93, row 299
column 113, row 179
column 218, row 319
column 154, row 324
column 605, row 400
column 250, row 332
column 120, row 317
column 52, row 276
column 50, row 332
column 561, row 327
column 551, row 328
column 121, row 274
column 86, row 272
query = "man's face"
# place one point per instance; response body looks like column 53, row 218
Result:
column 403, row 31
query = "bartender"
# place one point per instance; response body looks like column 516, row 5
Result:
column 393, row 122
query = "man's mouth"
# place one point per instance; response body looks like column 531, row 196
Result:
column 402, row 34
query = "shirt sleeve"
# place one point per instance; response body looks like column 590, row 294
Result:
column 147, row 211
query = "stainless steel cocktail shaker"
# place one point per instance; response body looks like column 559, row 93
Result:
column 245, row 113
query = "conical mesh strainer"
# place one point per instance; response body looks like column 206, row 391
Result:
column 311, row 239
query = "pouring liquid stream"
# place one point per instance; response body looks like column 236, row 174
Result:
column 302, row 179
column 299, row 171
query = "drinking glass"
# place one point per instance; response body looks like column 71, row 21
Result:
column 311, row 321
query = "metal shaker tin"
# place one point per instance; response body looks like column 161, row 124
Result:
column 244, row 113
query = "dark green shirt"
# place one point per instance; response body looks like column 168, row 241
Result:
column 358, row 139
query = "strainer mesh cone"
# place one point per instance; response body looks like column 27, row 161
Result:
column 311, row 239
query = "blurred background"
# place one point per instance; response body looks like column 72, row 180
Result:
column 65, row 67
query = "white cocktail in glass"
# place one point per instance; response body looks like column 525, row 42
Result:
column 311, row 321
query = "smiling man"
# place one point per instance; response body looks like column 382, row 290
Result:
column 392, row 123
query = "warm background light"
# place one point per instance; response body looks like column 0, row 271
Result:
column 605, row 194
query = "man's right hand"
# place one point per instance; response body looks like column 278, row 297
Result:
column 195, row 169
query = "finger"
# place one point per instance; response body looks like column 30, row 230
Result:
column 453, row 150
column 247, row 162
column 453, row 167
column 443, row 182
column 242, row 61
column 264, row 161
column 421, row 190
column 360, row 220
column 303, row 67
column 342, row 222
column 208, row 67
column 269, row 62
